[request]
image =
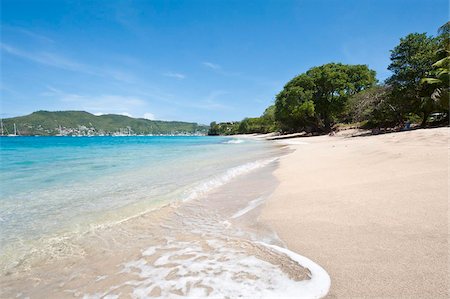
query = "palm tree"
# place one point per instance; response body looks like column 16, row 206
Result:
column 438, row 80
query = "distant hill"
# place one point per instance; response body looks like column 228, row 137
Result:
column 48, row 123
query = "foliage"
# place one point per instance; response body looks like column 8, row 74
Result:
column 318, row 97
column 226, row 128
column 411, row 60
column 294, row 108
column 372, row 106
column 436, row 85
column 336, row 92
column 256, row 125
column 49, row 123
column 268, row 120
column 263, row 124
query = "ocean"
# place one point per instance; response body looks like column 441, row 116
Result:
column 179, row 203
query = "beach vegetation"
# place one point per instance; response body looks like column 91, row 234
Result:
column 372, row 107
column 266, row 123
column 317, row 99
column 334, row 93
column 411, row 60
column 435, row 85
column 224, row 128
column 294, row 108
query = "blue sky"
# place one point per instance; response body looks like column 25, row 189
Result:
column 189, row 60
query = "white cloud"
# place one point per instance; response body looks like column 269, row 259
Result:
column 43, row 58
column 175, row 75
column 149, row 115
column 61, row 62
column 211, row 65
column 28, row 33
column 210, row 101
column 104, row 103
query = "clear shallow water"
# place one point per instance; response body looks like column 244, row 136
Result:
column 166, row 217
column 51, row 185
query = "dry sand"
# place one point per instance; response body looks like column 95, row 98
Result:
column 373, row 211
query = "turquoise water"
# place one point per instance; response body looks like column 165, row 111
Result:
column 64, row 202
column 55, row 185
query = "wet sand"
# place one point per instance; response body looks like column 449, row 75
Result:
column 373, row 211
column 208, row 247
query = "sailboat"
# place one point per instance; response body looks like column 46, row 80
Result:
column 60, row 131
column 15, row 132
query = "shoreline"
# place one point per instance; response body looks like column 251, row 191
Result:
column 372, row 211
column 129, row 186
column 209, row 245
column 322, row 208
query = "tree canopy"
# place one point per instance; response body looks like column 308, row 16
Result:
column 318, row 97
column 340, row 93
column 436, row 83
column 411, row 60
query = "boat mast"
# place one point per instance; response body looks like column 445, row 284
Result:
column 15, row 129
column 1, row 123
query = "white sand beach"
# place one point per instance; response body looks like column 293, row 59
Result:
column 373, row 211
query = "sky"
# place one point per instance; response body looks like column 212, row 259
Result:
column 200, row 61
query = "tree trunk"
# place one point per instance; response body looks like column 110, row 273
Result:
column 424, row 119
column 327, row 123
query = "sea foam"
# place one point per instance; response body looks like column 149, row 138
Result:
column 251, row 205
column 186, row 269
column 234, row 141
column 221, row 179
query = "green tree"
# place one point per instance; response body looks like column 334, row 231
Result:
column 243, row 126
column 372, row 106
column 318, row 97
column 436, row 84
column 294, row 108
column 335, row 83
column 269, row 115
column 213, row 129
column 268, row 120
column 411, row 60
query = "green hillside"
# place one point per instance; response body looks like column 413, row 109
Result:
column 84, row 123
